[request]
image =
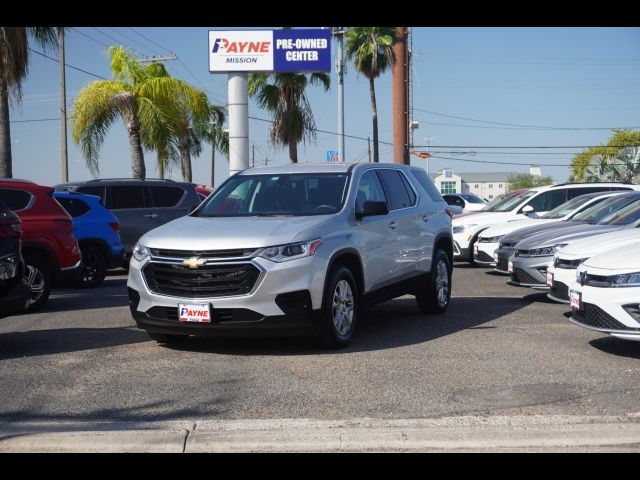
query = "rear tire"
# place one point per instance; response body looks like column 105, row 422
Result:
column 94, row 267
column 166, row 338
column 38, row 277
column 340, row 308
column 434, row 297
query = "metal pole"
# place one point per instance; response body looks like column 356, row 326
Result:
column 340, row 67
column 238, row 122
column 63, row 107
column 369, row 147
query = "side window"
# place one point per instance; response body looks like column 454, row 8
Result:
column 425, row 182
column 99, row 191
column 548, row 200
column 165, row 196
column 14, row 198
column 407, row 185
column 395, row 189
column 125, row 197
column 576, row 192
column 369, row 189
column 74, row 207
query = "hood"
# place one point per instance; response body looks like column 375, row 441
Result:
column 607, row 241
column 564, row 235
column 625, row 260
column 482, row 218
column 527, row 232
column 218, row 233
column 508, row 227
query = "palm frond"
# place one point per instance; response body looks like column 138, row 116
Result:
column 14, row 59
column 46, row 37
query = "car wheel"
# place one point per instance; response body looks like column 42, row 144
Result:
column 340, row 308
column 166, row 338
column 435, row 295
column 94, row 267
column 38, row 277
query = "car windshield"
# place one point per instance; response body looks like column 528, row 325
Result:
column 471, row 198
column 566, row 208
column 598, row 212
column 625, row 216
column 277, row 195
column 508, row 202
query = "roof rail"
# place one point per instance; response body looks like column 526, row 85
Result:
column 97, row 180
column 588, row 183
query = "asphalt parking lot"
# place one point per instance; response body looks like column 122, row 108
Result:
column 499, row 350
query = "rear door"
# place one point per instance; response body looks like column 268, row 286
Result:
column 135, row 215
column 165, row 200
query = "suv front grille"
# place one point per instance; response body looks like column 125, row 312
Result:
column 521, row 276
column 230, row 253
column 206, row 281
column 594, row 316
column 560, row 290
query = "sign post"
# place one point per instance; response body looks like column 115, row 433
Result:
column 242, row 51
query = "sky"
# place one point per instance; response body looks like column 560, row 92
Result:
column 473, row 88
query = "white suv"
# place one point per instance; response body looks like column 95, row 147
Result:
column 295, row 249
column 517, row 205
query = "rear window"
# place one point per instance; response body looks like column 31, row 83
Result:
column 74, row 206
column 165, row 196
column 396, row 190
column 425, row 182
column 14, row 198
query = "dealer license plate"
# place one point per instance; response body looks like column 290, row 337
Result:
column 194, row 312
column 549, row 279
column 576, row 300
column 510, row 267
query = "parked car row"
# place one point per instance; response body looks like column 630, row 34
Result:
column 585, row 253
column 72, row 234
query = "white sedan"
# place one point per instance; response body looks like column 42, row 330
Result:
column 566, row 261
column 605, row 295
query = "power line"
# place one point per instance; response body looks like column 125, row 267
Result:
column 129, row 38
column 36, row 120
column 89, row 37
column 107, row 35
column 149, row 40
column 530, row 128
column 66, row 64
column 540, row 127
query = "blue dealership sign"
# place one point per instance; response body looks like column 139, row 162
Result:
column 303, row 50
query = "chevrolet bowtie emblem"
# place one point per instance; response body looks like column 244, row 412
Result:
column 193, row 262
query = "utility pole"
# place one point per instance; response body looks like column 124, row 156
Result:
column 369, row 148
column 63, row 107
column 400, row 99
column 340, row 68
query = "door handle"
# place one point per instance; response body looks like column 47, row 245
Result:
column 151, row 215
column 393, row 225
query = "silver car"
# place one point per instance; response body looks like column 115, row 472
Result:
column 295, row 249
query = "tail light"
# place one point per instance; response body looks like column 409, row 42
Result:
column 10, row 229
column 115, row 226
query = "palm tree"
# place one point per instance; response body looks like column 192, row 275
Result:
column 371, row 49
column 14, row 66
column 146, row 97
column 283, row 95
column 599, row 169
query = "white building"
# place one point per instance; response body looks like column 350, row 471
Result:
column 483, row 184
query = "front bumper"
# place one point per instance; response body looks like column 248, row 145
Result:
column 530, row 272
column 461, row 249
column 602, row 309
column 562, row 278
column 484, row 255
column 504, row 254
column 286, row 298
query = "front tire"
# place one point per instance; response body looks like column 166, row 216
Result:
column 94, row 267
column 38, row 277
column 434, row 297
column 340, row 308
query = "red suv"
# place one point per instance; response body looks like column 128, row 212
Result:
column 50, row 250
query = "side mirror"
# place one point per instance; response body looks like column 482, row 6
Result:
column 371, row 208
column 527, row 210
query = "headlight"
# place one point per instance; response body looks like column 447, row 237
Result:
column 541, row 252
column 490, row 239
column 616, row 281
column 463, row 228
column 291, row 251
column 140, row 252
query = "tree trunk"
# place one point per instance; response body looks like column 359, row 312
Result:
column 137, row 156
column 213, row 163
column 161, row 167
column 293, row 151
column 5, row 133
column 374, row 116
column 185, row 161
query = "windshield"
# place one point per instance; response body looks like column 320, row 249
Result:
column 277, row 195
column 609, row 206
column 625, row 216
column 566, row 208
column 471, row 198
column 508, row 202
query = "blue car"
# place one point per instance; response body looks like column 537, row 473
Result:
column 98, row 233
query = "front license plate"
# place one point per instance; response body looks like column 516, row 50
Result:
column 549, row 279
column 510, row 267
column 475, row 250
column 576, row 299
column 194, row 312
